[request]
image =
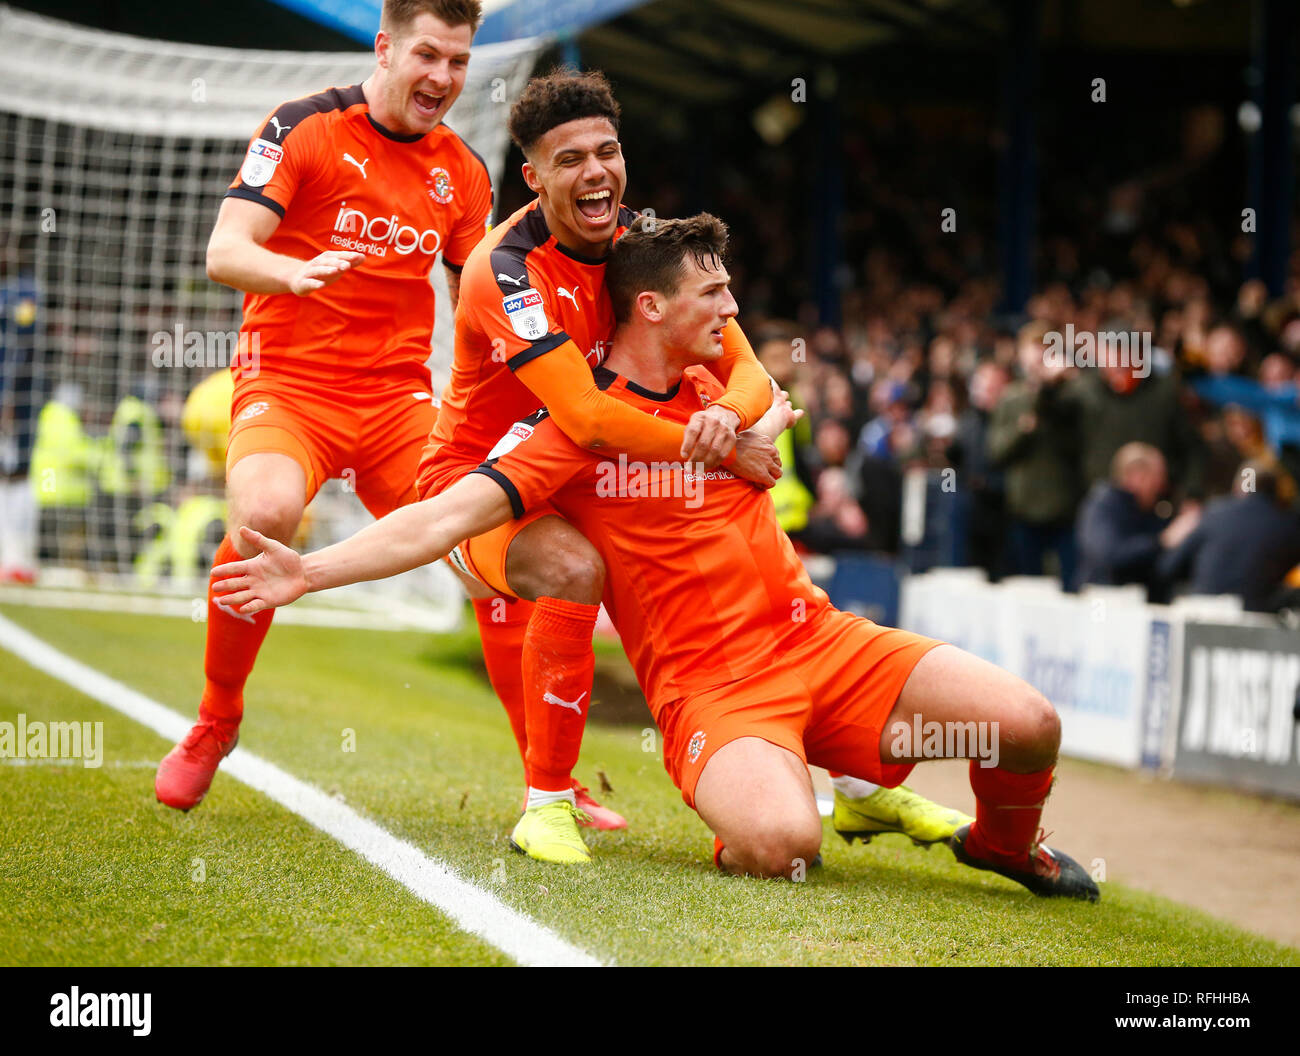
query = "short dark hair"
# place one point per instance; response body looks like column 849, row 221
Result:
column 651, row 255
column 398, row 15
column 562, row 95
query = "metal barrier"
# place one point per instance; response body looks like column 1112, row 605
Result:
column 1197, row 689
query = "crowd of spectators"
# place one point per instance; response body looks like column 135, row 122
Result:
column 1176, row 470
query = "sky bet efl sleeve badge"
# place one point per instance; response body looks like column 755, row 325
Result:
column 527, row 314
column 260, row 162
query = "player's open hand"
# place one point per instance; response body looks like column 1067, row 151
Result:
column 274, row 577
column 710, row 436
column 323, row 269
column 757, row 459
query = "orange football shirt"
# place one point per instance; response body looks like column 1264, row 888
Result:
column 522, row 296
column 701, row 582
column 340, row 181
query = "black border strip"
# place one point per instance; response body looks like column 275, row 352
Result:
column 512, row 493
column 538, row 348
column 395, row 136
column 253, row 196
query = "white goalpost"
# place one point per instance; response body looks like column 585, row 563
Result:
column 116, row 153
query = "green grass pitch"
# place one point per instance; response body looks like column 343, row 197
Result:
column 94, row 872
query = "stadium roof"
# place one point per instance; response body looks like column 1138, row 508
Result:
column 707, row 52
column 669, row 59
column 502, row 19
column 711, row 51
column 830, row 26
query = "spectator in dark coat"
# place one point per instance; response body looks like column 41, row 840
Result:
column 1244, row 545
column 1119, row 408
column 983, row 480
column 878, row 485
column 836, row 522
column 1033, row 438
column 1120, row 535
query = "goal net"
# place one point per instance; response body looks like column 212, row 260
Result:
column 116, row 153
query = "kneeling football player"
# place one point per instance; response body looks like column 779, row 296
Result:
column 749, row 670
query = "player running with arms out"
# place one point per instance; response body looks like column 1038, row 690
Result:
column 533, row 321
column 343, row 203
column 750, row 672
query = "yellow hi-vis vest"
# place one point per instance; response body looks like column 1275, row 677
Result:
column 206, row 420
column 63, row 458
column 141, row 470
column 791, row 498
column 177, row 539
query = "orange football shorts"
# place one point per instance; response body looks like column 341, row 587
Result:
column 370, row 436
column 826, row 699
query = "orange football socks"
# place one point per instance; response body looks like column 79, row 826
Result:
column 502, row 624
column 558, row 665
column 1008, row 808
column 233, row 641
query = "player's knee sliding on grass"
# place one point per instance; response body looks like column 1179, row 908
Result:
column 750, row 794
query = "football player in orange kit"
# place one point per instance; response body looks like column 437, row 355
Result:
column 750, row 672
column 533, row 321
column 343, row 203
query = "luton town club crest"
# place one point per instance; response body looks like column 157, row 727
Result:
column 443, row 191
column 696, row 746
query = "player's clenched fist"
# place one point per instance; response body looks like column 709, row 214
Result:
column 274, row 577
column 757, row 459
column 323, row 269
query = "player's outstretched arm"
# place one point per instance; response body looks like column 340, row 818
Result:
column 407, row 538
column 237, row 257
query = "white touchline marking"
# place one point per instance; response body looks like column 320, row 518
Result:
column 77, row 765
column 396, row 615
column 469, row 907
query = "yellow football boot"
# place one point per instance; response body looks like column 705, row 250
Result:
column 549, row 833
column 895, row 810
